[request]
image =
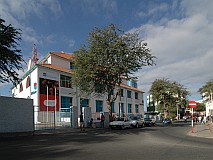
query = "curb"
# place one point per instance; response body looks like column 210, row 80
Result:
column 201, row 131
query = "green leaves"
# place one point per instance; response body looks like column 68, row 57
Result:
column 168, row 94
column 10, row 60
column 110, row 54
column 207, row 89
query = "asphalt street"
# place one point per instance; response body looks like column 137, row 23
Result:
column 170, row 142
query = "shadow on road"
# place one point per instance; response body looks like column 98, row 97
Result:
column 68, row 142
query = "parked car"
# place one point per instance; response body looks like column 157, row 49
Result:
column 120, row 123
column 167, row 121
column 136, row 122
column 186, row 117
column 149, row 122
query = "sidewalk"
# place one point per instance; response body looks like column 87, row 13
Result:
column 202, row 131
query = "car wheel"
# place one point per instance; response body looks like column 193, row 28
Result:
column 122, row 126
column 142, row 125
column 137, row 125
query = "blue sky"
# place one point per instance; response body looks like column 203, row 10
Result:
column 178, row 32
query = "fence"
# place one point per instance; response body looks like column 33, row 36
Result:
column 52, row 119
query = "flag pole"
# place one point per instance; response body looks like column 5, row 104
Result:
column 47, row 104
column 55, row 110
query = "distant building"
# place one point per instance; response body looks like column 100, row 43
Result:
column 209, row 108
column 48, row 83
column 208, row 100
column 151, row 107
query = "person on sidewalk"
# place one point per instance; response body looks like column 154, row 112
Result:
column 199, row 119
column 204, row 120
column 81, row 122
column 102, row 120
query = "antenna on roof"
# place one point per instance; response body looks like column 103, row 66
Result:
column 35, row 54
column 34, row 58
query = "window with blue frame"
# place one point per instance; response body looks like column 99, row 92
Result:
column 136, row 95
column 66, row 102
column 99, row 106
column 84, row 102
column 135, row 85
column 72, row 65
column 136, row 108
column 130, row 82
column 121, row 92
column 113, row 107
column 129, row 94
column 129, row 108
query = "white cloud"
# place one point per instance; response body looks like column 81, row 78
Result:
column 22, row 9
column 159, row 8
column 18, row 13
column 97, row 6
column 71, row 43
column 51, row 38
column 183, row 47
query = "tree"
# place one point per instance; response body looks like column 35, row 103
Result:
column 110, row 55
column 10, row 59
column 169, row 96
column 200, row 107
column 207, row 90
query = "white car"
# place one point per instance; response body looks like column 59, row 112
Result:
column 137, row 122
column 120, row 123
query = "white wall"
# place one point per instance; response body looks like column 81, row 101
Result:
column 47, row 73
column 17, row 115
column 60, row 62
column 34, row 87
column 209, row 108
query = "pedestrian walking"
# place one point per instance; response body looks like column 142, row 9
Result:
column 199, row 119
column 81, row 122
column 102, row 120
column 204, row 120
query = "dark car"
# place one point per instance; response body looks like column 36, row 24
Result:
column 167, row 121
column 149, row 122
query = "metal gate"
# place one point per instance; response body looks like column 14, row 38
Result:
column 52, row 119
column 65, row 117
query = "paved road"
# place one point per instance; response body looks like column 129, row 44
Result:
column 151, row 143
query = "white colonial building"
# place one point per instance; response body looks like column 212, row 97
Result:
column 48, row 84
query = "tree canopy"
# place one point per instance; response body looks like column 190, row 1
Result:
column 200, row 107
column 109, row 55
column 207, row 89
column 10, row 59
column 169, row 95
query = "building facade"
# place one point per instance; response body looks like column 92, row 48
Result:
column 48, row 83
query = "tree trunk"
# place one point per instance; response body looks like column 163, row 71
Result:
column 109, row 104
column 110, row 111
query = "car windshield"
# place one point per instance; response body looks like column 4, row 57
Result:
column 147, row 119
column 134, row 118
column 119, row 119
